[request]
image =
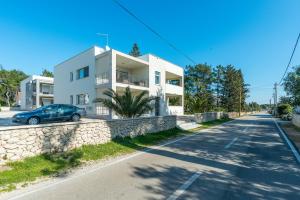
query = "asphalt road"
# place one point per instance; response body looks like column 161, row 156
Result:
column 244, row 159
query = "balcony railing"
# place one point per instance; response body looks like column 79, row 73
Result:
column 102, row 78
column 47, row 92
column 126, row 78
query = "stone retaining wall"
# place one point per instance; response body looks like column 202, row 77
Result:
column 208, row 116
column 296, row 119
column 24, row 141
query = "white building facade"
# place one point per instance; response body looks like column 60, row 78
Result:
column 36, row 91
column 84, row 77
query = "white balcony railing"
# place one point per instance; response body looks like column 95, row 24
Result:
column 175, row 110
column 126, row 78
column 102, row 78
column 174, row 89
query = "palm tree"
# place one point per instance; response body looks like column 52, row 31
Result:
column 127, row 105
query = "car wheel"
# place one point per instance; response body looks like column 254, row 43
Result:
column 75, row 118
column 33, row 121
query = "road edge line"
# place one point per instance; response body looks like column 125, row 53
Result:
column 292, row 147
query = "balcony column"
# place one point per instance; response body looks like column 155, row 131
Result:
column 37, row 101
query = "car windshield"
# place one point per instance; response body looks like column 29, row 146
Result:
column 41, row 108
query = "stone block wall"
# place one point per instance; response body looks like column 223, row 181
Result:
column 296, row 119
column 23, row 141
column 208, row 116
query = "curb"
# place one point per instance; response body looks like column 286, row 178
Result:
column 289, row 143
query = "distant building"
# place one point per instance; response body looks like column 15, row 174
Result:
column 36, row 91
column 83, row 78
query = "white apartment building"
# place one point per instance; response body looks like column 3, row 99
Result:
column 36, row 91
column 84, row 77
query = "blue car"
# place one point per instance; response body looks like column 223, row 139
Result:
column 50, row 113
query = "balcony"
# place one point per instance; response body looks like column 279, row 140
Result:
column 174, row 84
column 130, row 79
column 46, row 89
column 131, row 71
column 174, row 89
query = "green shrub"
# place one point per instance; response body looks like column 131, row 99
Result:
column 284, row 109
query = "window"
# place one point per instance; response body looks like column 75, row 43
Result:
column 71, row 99
column 82, row 99
column 82, row 73
column 71, row 76
column 51, row 109
column 67, row 108
column 157, row 78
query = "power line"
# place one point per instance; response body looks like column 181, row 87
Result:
column 287, row 67
column 154, row 31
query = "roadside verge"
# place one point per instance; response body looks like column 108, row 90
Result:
column 289, row 142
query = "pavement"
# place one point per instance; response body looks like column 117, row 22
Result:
column 6, row 118
column 242, row 159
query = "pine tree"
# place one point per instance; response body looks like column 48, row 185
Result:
column 135, row 51
column 47, row 73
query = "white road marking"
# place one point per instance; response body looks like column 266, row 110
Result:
column 231, row 143
column 295, row 152
column 18, row 196
column 246, row 129
column 184, row 186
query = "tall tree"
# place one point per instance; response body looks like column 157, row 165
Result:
column 198, row 88
column 135, row 51
column 47, row 73
column 234, row 90
column 285, row 100
column 218, row 79
column 291, row 86
column 10, row 85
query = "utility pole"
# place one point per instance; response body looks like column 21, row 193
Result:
column 275, row 97
column 240, row 108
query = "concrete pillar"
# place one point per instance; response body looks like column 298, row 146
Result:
column 37, row 93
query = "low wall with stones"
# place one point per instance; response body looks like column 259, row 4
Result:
column 296, row 119
column 23, row 141
column 208, row 116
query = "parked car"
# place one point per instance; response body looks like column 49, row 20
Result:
column 50, row 113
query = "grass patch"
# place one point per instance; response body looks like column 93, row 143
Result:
column 45, row 165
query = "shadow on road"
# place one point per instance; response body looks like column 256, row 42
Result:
column 259, row 166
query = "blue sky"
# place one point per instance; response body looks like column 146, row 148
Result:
column 254, row 35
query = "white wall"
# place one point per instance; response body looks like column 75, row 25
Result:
column 63, row 87
column 23, row 92
column 100, row 62
column 23, row 83
column 175, row 110
column 158, row 64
